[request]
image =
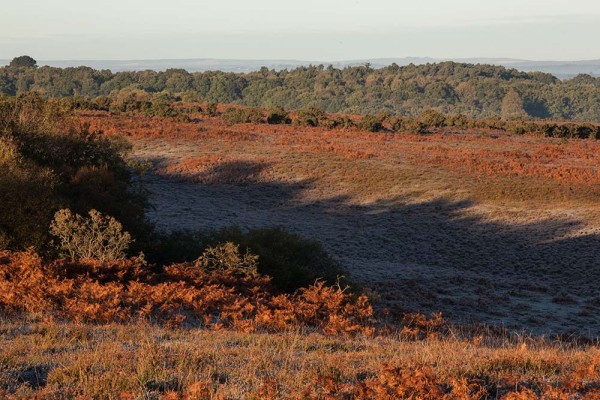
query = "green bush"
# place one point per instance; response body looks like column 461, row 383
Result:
column 130, row 100
column 344, row 122
column 459, row 121
column 49, row 162
column 433, row 119
column 162, row 106
column 292, row 261
column 370, row 123
column 408, row 124
column 101, row 103
column 277, row 115
column 233, row 116
column 310, row 117
column 211, row 109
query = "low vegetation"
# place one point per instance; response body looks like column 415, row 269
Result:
column 291, row 261
column 94, row 303
column 136, row 360
column 430, row 120
column 220, row 290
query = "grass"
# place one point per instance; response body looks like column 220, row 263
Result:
column 63, row 360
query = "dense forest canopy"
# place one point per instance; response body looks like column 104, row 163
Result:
column 449, row 87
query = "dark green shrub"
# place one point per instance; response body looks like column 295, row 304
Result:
column 277, row 115
column 233, row 116
column 162, row 106
column 491, row 122
column 310, row 117
column 459, row 121
column 344, row 122
column 291, row 260
column 49, row 162
column 101, row 103
column 253, row 115
column 408, row 124
column 130, row 100
column 433, row 119
column 211, row 109
column 370, row 123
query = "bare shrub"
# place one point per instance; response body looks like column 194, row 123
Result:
column 97, row 236
column 227, row 257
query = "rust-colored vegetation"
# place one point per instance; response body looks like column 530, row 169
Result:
column 91, row 291
column 513, row 166
column 214, row 328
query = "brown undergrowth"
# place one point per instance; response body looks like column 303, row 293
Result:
column 127, row 293
column 512, row 163
column 355, row 360
column 91, row 291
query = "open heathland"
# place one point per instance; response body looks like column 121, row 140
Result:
column 480, row 224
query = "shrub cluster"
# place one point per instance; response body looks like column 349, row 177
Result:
column 370, row 123
column 431, row 120
column 290, row 260
column 162, row 105
column 233, row 115
column 48, row 162
column 277, row 115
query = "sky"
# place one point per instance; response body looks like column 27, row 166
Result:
column 320, row 30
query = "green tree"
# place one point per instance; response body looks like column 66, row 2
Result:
column 23, row 62
column 512, row 106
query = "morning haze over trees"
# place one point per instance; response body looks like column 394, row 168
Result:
column 473, row 90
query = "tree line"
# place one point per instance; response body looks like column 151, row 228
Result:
column 476, row 91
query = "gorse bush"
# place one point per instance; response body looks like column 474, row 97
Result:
column 98, row 236
column 211, row 109
column 233, row 115
column 310, row 117
column 370, row 123
column 433, row 119
column 277, row 115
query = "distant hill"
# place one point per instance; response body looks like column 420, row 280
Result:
column 560, row 69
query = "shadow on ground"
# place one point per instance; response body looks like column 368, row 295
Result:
column 426, row 256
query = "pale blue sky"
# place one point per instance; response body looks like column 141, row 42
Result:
column 323, row 30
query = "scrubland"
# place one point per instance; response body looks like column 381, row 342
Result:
column 471, row 256
column 480, row 224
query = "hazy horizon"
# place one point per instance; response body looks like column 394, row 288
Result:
column 535, row 30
